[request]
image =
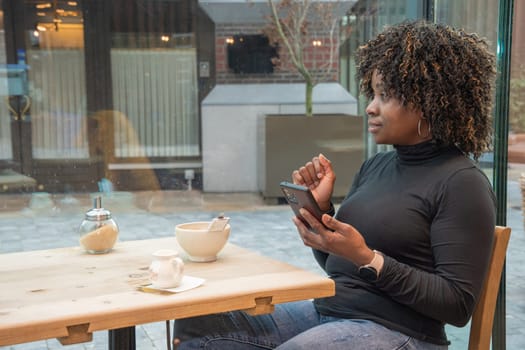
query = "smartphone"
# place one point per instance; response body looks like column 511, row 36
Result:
column 299, row 197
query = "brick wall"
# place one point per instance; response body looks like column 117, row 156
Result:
column 284, row 73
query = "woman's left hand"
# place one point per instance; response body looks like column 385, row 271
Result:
column 334, row 237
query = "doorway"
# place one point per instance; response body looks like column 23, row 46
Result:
column 43, row 122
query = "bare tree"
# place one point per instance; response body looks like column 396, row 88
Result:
column 308, row 35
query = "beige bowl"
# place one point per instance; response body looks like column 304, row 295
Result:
column 200, row 244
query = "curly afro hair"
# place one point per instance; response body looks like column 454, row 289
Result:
column 446, row 73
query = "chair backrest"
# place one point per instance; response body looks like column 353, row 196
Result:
column 483, row 316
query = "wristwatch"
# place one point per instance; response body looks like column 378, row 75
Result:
column 370, row 272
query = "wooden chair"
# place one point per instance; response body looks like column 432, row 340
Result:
column 483, row 316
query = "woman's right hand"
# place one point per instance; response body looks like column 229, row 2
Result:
column 319, row 177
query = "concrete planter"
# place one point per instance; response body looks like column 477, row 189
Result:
column 286, row 142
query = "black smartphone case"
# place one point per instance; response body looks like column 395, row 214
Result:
column 300, row 197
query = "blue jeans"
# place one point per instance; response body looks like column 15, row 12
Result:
column 291, row 326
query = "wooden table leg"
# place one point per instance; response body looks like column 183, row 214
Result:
column 122, row 339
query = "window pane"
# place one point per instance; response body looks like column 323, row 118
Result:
column 159, row 105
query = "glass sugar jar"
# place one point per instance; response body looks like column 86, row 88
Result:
column 98, row 231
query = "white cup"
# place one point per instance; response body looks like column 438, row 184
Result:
column 166, row 269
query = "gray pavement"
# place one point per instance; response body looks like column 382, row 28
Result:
column 44, row 221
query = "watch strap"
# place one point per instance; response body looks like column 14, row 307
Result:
column 374, row 267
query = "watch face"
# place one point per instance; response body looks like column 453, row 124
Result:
column 368, row 273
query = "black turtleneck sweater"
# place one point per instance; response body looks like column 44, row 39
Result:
column 431, row 211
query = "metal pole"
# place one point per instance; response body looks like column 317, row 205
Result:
column 501, row 130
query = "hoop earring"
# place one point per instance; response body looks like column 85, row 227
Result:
column 419, row 128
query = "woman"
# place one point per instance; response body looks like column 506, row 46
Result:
column 410, row 244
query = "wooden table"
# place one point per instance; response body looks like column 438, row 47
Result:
column 67, row 294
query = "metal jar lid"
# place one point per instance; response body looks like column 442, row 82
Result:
column 98, row 213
